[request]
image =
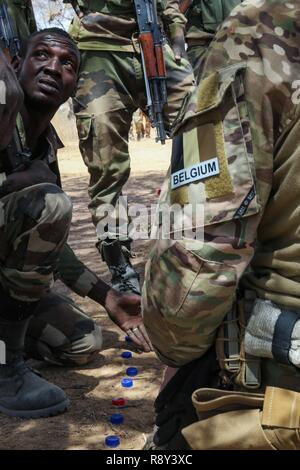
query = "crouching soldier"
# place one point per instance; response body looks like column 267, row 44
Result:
column 35, row 216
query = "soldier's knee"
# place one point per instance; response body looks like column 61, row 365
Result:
column 57, row 204
column 62, row 349
column 84, row 349
column 81, row 350
column 48, row 203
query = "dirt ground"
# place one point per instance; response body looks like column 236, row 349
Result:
column 92, row 388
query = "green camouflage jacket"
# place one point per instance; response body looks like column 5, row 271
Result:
column 110, row 24
column 238, row 160
column 204, row 17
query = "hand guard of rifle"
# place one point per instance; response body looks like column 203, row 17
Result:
column 151, row 42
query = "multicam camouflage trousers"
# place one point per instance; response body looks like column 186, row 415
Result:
column 34, row 225
column 111, row 87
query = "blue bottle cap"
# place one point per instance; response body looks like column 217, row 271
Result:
column 112, row 441
column 127, row 383
column 126, row 354
column 116, row 418
column 131, row 371
column 128, row 339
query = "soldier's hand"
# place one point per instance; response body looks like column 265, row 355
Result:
column 177, row 41
column 125, row 311
column 38, row 172
column 11, row 99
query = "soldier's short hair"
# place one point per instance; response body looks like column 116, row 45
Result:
column 49, row 31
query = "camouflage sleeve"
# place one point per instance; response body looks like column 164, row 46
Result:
column 174, row 21
column 231, row 129
column 72, row 272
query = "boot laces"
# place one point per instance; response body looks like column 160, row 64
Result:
column 21, row 367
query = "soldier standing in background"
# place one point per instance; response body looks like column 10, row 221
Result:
column 138, row 124
column 111, row 87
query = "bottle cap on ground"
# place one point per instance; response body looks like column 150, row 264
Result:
column 118, row 402
column 126, row 354
column 127, row 383
column 112, row 441
column 131, row 371
column 128, row 339
column 116, row 418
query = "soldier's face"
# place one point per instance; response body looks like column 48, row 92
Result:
column 48, row 73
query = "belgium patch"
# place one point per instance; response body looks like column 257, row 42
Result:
column 194, row 173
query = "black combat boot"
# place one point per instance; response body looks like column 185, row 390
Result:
column 124, row 277
column 23, row 393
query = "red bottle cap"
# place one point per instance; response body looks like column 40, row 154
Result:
column 118, row 402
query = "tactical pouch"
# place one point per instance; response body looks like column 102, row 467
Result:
column 249, row 373
column 227, row 345
column 237, row 366
column 245, row 421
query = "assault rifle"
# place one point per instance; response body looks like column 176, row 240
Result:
column 153, row 63
column 184, row 5
column 14, row 157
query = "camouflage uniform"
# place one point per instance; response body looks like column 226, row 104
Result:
column 246, row 111
column 203, row 19
column 59, row 331
column 111, row 87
